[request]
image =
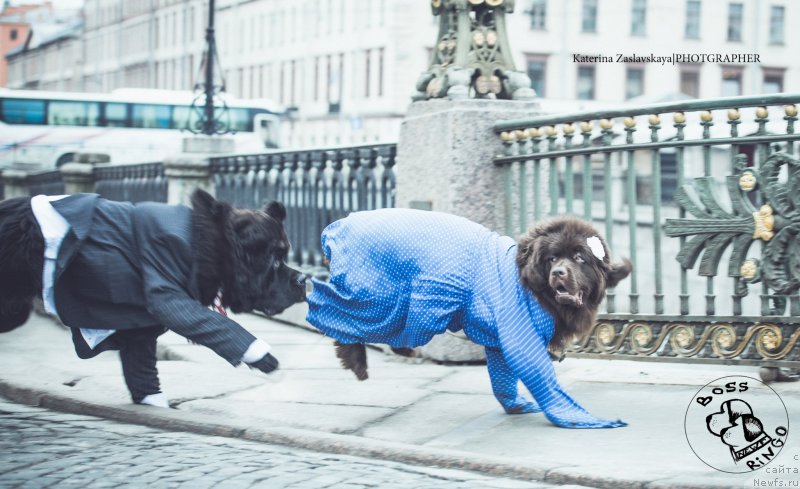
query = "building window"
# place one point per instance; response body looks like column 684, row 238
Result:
column 776, row 24
column 537, row 69
column 282, row 82
column 334, row 85
column 538, row 13
column 589, row 16
column 690, row 81
column 634, row 82
column 731, row 81
column 367, row 71
column 773, row 81
column 293, row 82
column 735, row 21
column 380, row 72
column 13, row 34
column 317, row 62
column 586, row 82
column 638, row 18
column 692, row 19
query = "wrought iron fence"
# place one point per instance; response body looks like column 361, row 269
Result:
column 48, row 183
column 131, row 183
column 316, row 186
column 735, row 177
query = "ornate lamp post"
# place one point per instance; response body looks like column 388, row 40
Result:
column 472, row 57
column 210, row 120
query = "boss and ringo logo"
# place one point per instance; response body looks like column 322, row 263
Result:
column 736, row 424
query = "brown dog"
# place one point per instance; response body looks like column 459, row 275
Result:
column 555, row 261
column 401, row 276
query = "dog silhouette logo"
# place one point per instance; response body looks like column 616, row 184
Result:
column 736, row 424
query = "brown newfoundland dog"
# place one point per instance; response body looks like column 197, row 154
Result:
column 120, row 274
column 555, row 261
column 402, row 276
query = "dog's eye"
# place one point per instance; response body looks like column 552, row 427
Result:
column 578, row 258
column 552, row 259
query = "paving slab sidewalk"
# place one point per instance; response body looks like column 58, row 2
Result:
column 409, row 410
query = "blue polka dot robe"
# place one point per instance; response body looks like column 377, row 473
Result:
column 401, row 276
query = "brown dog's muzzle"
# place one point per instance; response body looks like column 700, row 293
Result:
column 563, row 284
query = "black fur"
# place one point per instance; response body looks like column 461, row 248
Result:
column 243, row 253
column 21, row 262
column 240, row 252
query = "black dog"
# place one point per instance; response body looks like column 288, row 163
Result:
column 141, row 269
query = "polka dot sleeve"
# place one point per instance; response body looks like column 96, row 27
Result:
column 504, row 385
column 526, row 356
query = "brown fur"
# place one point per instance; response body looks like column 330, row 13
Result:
column 353, row 357
column 557, row 243
column 555, row 254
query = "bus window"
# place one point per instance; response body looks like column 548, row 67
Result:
column 22, row 111
column 185, row 117
column 116, row 114
column 240, row 120
column 69, row 113
column 235, row 120
column 152, row 116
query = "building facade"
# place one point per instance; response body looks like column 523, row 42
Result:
column 578, row 49
column 15, row 23
column 349, row 67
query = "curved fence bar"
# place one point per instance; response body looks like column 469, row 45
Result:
column 681, row 188
column 317, row 187
column 47, row 183
column 131, row 183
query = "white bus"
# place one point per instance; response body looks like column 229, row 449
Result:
column 44, row 130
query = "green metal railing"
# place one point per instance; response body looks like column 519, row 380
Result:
column 718, row 172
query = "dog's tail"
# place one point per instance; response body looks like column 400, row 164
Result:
column 21, row 262
column 353, row 357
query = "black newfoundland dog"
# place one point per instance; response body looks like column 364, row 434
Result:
column 400, row 276
column 120, row 274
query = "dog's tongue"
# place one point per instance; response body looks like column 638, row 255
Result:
column 565, row 298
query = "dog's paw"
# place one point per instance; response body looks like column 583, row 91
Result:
column 353, row 357
column 266, row 364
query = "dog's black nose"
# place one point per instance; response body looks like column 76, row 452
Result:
column 559, row 272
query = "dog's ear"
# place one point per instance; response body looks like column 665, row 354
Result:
column 526, row 247
column 618, row 272
column 275, row 210
column 203, row 201
column 14, row 312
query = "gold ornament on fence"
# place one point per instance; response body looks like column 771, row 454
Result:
column 764, row 223
column 747, row 181
column 682, row 338
column 641, row 336
column 605, row 334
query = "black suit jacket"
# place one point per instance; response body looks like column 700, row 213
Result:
column 125, row 266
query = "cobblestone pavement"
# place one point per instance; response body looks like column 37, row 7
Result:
column 41, row 448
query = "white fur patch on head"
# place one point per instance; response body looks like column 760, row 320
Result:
column 597, row 247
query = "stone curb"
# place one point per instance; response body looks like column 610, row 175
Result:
column 175, row 420
column 203, row 424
